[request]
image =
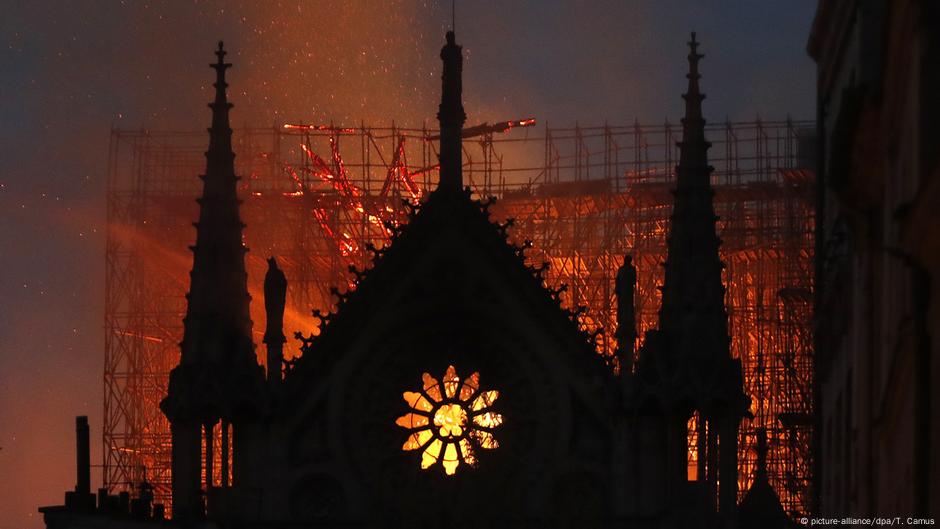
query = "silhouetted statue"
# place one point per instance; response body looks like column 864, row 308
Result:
column 625, row 290
column 275, row 295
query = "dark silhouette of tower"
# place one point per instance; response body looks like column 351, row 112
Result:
column 685, row 367
column 218, row 370
column 693, row 317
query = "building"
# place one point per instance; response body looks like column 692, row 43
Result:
column 878, row 256
column 449, row 387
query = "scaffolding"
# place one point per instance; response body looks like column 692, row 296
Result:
column 318, row 197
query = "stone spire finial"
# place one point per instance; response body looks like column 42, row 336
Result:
column 220, row 139
column 220, row 66
column 694, row 155
column 693, row 75
column 451, row 115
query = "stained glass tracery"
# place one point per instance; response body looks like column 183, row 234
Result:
column 449, row 420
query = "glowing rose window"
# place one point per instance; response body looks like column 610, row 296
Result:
column 449, row 420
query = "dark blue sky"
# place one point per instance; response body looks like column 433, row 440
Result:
column 71, row 70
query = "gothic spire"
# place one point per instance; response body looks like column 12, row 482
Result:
column 693, row 309
column 693, row 321
column 218, row 374
column 220, row 158
column 451, row 116
column 217, row 323
column 694, row 147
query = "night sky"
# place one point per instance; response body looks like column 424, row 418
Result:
column 69, row 71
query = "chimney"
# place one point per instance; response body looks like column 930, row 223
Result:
column 82, row 456
column 81, row 499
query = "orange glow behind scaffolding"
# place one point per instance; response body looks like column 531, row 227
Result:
column 318, row 197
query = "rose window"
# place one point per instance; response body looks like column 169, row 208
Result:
column 450, row 420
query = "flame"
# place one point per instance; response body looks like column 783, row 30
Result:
column 330, row 128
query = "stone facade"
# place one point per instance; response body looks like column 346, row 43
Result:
column 878, row 257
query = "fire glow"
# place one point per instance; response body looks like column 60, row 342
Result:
column 319, row 200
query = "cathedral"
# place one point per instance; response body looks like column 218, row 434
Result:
column 450, row 388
